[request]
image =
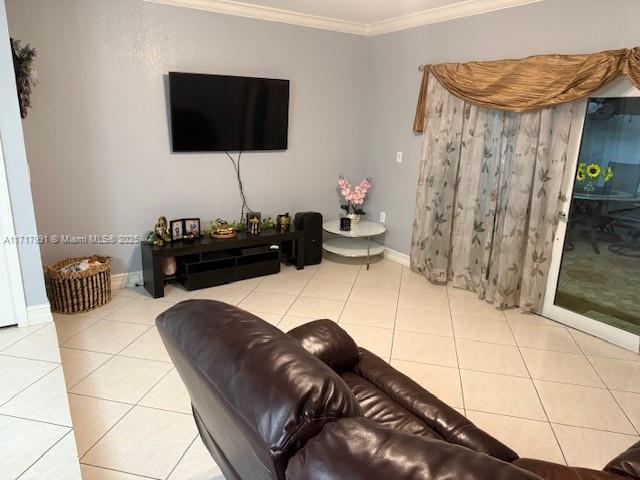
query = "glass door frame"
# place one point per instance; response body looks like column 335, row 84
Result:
column 618, row 88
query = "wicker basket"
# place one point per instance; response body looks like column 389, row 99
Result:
column 75, row 292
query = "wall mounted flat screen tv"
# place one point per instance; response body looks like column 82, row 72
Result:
column 217, row 113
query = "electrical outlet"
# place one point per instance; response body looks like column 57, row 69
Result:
column 398, row 157
column 383, row 217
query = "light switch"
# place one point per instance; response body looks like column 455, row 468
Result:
column 399, row 157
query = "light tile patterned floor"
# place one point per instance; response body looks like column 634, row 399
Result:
column 547, row 391
column 36, row 437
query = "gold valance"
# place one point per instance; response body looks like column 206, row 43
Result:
column 530, row 83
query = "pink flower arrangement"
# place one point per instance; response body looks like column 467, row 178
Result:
column 354, row 196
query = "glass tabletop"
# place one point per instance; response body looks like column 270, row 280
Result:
column 364, row 228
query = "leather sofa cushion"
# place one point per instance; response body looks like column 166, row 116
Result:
column 377, row 406
column 253, row 386
column 360, row 449
column 328, row 342
column 437, row 415
column 555, row 471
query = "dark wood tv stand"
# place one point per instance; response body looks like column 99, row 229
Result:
column 207, row 262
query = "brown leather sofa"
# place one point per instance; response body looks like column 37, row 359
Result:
column 311, row 405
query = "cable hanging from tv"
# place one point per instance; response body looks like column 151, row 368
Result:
column 236, row 167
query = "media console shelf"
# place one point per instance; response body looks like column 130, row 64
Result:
column 207, row 262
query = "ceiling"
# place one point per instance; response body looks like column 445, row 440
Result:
column 361, row 17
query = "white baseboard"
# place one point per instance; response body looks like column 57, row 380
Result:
column 37, row 314
column 396, row 256
column 126, row 280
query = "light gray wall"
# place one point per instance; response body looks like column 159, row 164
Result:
column 97, row 137
column 553, row 26
column 98, row 141
column 18, row 172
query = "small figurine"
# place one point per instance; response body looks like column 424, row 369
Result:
column 189, row 237
column 160, row 234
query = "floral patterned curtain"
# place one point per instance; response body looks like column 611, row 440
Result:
column 489, row 194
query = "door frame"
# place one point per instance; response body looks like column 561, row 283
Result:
column 18, row 307
column 620, row 87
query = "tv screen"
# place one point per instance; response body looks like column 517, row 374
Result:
column 217, row 113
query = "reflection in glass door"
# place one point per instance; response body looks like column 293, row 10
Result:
column 600, row 267
column 598, row 277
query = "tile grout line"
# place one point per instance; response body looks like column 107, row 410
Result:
column 344, row 305
column 30, row 359
column 47, row 451
column 296, row 299
column 395, row 318
column 120, row 471
column 21, row 338
column 535, row 388
column 606, row 385
column 132, row 406
column 31, row 384
column 34, row 420
column 455, row 346
column 183, row 455
column 98, row 318
column 120, row 402
column 552, row 423
column 69, row 387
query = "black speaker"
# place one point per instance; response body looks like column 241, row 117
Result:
column 311, row 224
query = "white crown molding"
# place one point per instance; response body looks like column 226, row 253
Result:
column 269, row 14
column 445, row 13
column 467, row 8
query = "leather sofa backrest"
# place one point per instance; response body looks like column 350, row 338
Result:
column 257, row 395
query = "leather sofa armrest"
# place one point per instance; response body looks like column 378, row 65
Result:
column 627, row 463
column 327, row 341
column 360, row 449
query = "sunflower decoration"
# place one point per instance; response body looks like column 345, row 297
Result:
column 582, row 172
column 594, row 170
column 608, row 174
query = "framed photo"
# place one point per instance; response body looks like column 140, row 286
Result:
column 254, row 222
column 176, row 229
column 192, row 227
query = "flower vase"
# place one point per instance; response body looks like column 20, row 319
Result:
column 355, row 218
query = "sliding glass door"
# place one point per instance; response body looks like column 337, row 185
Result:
column 594, row 283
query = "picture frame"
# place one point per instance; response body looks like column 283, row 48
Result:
column 176, row 229
column 191, row 227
